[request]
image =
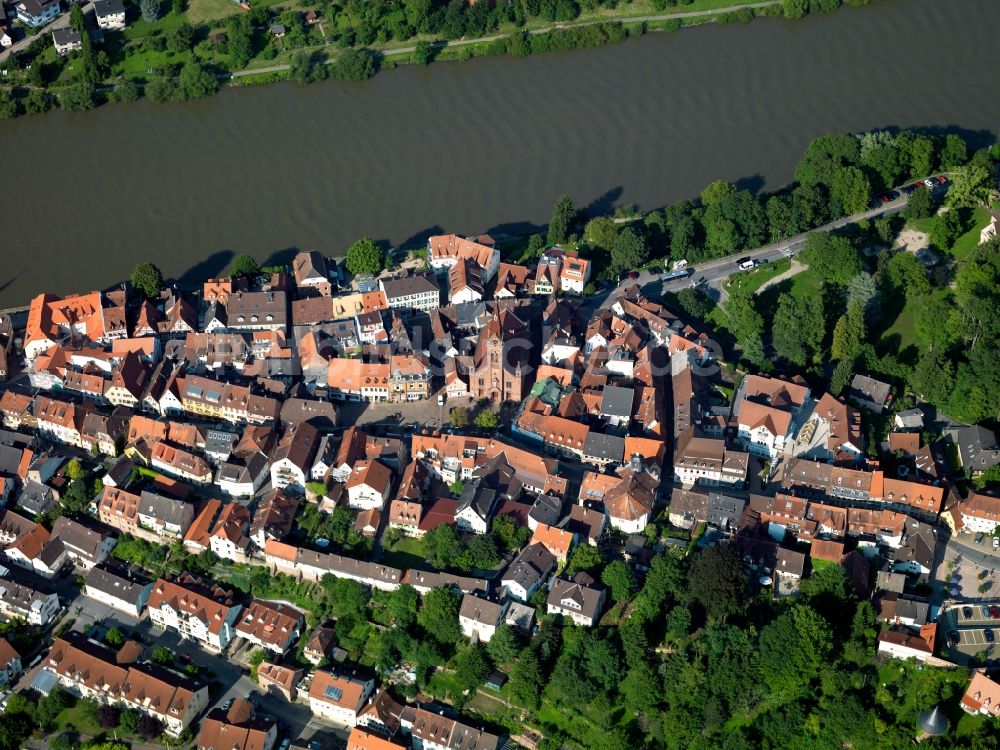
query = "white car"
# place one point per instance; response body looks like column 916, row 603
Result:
column 929, row 182
column 440, row 399
column 996, row 542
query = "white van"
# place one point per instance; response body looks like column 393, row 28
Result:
column 678, row 264
column 748, row 265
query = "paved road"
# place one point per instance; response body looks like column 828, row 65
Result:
column 493, row 37
column 715, row 272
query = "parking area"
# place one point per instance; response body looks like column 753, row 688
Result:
column 971, row 632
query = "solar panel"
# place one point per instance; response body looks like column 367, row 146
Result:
column 333, row 693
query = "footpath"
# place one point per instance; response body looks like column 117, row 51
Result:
column 456, row 43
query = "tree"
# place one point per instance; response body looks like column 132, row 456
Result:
column 904, row 273
column 196, row 81
column 365, row 256
column 8, row 104
column 438, row 615
column 160, row 90
column 77, row 98
column 402, row 605
column 717, row 582
column 350, row 598
column 937, row 321
column 849, row 334
column 742, row 317
column 472, row 666
column 487, row 420
column 149, row 726
column 863, row 289
column 628, row 251
column 150, row 10
column 601, row 232
column 458, row 416
column 163, row 655
column 793, row 648
column 921, row 156
column 180, row 38
column 74, row 469
column 619, row 579
column 423, row 53
column 243, row 265
column 526, row 681
column 933, row 377
column 129, row 722
column 563, row 220
column 798, row 328
column 954, row 153
column 509, row 532
column 255, row 660
column 441, row 546
column 851, row 189
column 239, row 40
column 146, row 277
column 716, row 192
column 457, row 487
column 834, row 258
column 971, row 186
column 114, row 638
column 794, row 8
column 920, row 205
column 947, row 228
column 355, row 65
column 108, row 716
column 585, row 558
column 503, row 646
column 695, row 303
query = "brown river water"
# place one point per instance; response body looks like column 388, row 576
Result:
column 483, row 145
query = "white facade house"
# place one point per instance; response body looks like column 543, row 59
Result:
column 118, row 590
column 369, row 485
column 195, row 612
column 480, row 618
column 980, row 513
column 110, row 14
column 23, row 602
column 338, row 698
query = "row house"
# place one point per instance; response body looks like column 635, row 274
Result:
column 216, row 351
column 102, row 432
column 58, row 420
column 128, row 381
column 409, row 378
column 419, row 292
column 708, row 461
column 207, row 397
column 312, row 566
column 91, row 670
column 180, row 463
column 431, row 730
column 351, row 379
column 196, row 610
column 425, row 580
column 119, row 509
column 257, row 311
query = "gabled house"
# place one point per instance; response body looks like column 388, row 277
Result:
column 338, row 697
column 529, row 571
column 577, row 598
column 292, row 461
column 195, row 609
column 369, row 485
column 480, row 618
column 274, row 626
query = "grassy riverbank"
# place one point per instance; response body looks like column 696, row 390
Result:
column 194, row 46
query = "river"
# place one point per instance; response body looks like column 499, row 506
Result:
column 483, row 145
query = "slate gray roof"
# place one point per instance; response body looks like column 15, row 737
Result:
column 36, row 498
column 67, row 35
column 163, row 508
column 80, row 540
column 587, row 599
column 531, row 566
column 220, row 442
column 481, row 610
column 604, row 447
column 481, row 495
column 408, row 285
column 617, row 401
column 546, row 509
column 790, row 563
column 724, row 511
column 108, row 7
column 978, row 448
column 117, row 582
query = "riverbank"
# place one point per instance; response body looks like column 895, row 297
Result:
column 198, row 47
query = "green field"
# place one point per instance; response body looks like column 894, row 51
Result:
column 406, row 553
column 754, row 281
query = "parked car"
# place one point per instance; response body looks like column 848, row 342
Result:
column 227, row 705
column 967, row 612
column 985, row 611
column 930, row 182
column 953, row 637
column 996, row 542
column 988, row 635
column 941, row 179
column 633, row 275
column 884, row 198
column 979, row 538
column 995, row 612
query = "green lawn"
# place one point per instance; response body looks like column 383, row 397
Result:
column 968, row 242
column 801, row 285
column 901, row 336
column 73, row 719
column 754, row 281
column 406, row 553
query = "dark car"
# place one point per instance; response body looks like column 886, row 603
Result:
column 953, row 637
column 995, row 612
column 967, row 612
column 988, row 635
